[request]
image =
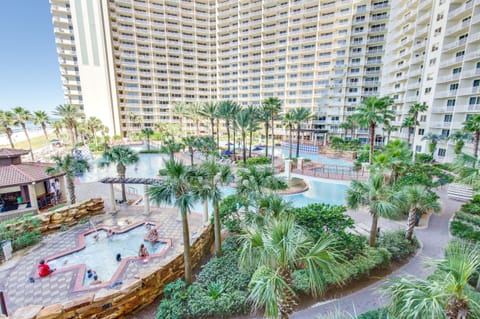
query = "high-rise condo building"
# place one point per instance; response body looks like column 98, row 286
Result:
column 129, row 61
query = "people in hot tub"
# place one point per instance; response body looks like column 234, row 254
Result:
column 143, row 252
column 152, row 235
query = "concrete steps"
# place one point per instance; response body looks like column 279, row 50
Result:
column 460, row 192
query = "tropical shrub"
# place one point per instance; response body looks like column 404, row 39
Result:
column 25, row 235
column 261, row 160
column 466, row 222
column 397, row 245
column 229, row 212
column 423, row 158
column 381, row 313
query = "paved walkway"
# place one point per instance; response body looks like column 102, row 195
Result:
column 434, row 240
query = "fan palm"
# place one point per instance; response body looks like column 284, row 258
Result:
column 472, row 125
column 93, row 125
column 459, row 137
column 409, row 123
column 209, row 110
column 41, row 118
column 274, row 106
column 379, row 197
column 467, row 168
column 346, row 125
column 433, row 140
column 170, row 146
column 442, row 295
column 419, row 201
column 20, row 117
column 179, row 110
column 190, row 142
column 57, row 128
column 70, row 166
column 253, row 115
column 289, row 122
column 210, row 177
column 414, row 110
column 227, row 111
column 121, row 156
column 300, row 116
column 275, row 250
column 5, row 123
column 371, row 112
column 70, row 114
column 254, row 181
column 194, row 112
column 394, row 159
column 147, row 132
column 176, row 190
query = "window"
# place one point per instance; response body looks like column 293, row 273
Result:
column 445, row 133
column 421, row 131
column 474, row 100
column 476, row 83
column 418, row 148
column 428, row 90
column 432, row 61
column 447, row 118
column 453, row 86
column 451, row 102
column 442, row 152
column 459, row 54
column 423, row 118
column 457, row 70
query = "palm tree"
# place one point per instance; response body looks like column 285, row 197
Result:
column 147, row 132
column 419, row 201
column 414, row 110
column 433, row 141
column 194, row 112
column 395, row 159
column 176, row 189
column 5, row 123
column 467, row 169
column 209, row 111
column 253, row 116
column 104, row 131
column 274, row 251
column 211, row 176
column 371, row 112
column 459, row 137
column 226, row 111
column 170, row 147
column 190, row 142
column 70, row 166
column 289, row 122
column 379, row 198
column 300, row 116
column 242, row 120
column 41, row 118
column 409, row 123
column 346, row 125
column 264, row 115
column 93, row 125
column 180, row 109
column 442, row 295
column 274, row 106
column 472, row 125
column 254, row 181
column 20, row 117
column 57, row 128
column 70, row 114
column 121, row 156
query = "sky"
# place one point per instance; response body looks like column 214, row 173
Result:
column 29, row 71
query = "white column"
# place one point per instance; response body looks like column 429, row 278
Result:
column 288, row 165
column 146, row 200
column 32, row 193
column 112, row 199
column 300, row 163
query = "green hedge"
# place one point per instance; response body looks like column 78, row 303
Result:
column 396, row 244
column 261, row 160
column 465, row 230
column 26, row 236
column 381, row 313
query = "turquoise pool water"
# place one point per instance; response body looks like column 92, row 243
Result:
column 319, row 158
column 100, row 255
column 319, row 192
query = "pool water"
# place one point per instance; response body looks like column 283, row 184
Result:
column 319, row 158
column 319, row 192
column 100, row 255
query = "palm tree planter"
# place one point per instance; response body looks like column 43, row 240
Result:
column 121, row 156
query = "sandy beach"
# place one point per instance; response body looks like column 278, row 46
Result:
column 19, row 136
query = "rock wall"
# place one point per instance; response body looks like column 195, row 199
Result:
column 69, row 215
column 130, row 296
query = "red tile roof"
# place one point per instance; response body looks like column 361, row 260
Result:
column 24, row 173
column 9, row 152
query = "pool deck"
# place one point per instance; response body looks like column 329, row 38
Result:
column 59, row 287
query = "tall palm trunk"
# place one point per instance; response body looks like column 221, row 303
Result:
column 227, row 124
column 190, row 150
column 250, row 142
column 244, row 142
column 44, row 128
column 409, row 135
column 273, row 143
column 290, row 141
column 197, row 127
column 266, row 139
column 217, row 228
column 412, row 218
column 186, row 249
column 476, row 141
column 389, row 133
column 96, row 140
column 71, row 189
column 234, row 140
column 372, row 141
column 24, row 127
column 181, row 127
column 353, row 132
column 121, row 174
column 205, row 211
column 457, row 308
column 9, row 133
column 212, row 125
column 218, row 133
column 373, row 230
column 75, row 133
column 297, row 154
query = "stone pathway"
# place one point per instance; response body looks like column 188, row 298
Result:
column 57, row 288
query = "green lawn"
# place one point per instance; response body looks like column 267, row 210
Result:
column 37, row 142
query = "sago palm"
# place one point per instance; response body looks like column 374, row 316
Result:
column 121, row 157
column 275, row 250
column 70, row 166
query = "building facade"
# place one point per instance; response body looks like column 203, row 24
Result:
column 129, row 61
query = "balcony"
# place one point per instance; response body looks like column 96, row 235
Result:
column 471, row 73
column 444, row 109
column 459, row 10
column 448, row 78
column 470, row 90
column 454, row 45
column 445, row 93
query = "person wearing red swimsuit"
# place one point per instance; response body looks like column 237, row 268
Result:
column 44, row 269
